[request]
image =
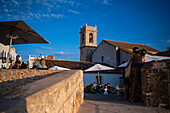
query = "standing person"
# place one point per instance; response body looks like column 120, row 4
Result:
column 143, row 53
column 13, row 62
column 135, row 78
column 127, row 73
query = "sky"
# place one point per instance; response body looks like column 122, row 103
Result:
column 59, row 21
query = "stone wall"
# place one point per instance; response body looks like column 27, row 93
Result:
column 155, row 77
column 59, row 93
column 13, row 79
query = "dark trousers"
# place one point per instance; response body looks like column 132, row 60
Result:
column 135, row 85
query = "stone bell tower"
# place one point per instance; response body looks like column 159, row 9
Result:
column 88, row 42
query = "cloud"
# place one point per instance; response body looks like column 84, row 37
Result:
column 166, row 41
column 45, row 3
column 60, row 16
column 8, row 15
column 40, row 9
column 62, row 1
column 44, row 47
column 28, row 2
column 148, row 44
column 38, row 16
column 16, row 16
column 3, row 1
column 60, row 55
column 15, row 2
column 73, row 11
column 46, row 15
column 71, row 2
column 6, row 10
column 67, row 56
column 105, row 2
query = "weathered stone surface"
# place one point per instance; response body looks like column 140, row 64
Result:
column 154, row 77
column 60, row 93
column 14, row 79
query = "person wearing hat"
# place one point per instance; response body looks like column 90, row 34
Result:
column 13, row 62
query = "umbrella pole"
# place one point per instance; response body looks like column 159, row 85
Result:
column 9, row 53
column 98, row 78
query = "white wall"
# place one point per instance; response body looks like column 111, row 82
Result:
column 6, row 49
column 106, row 50
column 124, row 56
column 113, row 79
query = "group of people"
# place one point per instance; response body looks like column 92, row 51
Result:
column 16, row 64
column 99, row 89
column 133, row 82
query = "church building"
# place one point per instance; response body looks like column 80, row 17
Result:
column 110, row 52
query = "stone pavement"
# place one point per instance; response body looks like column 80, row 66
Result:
column 95, row 103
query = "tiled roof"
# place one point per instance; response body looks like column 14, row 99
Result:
column 127, row 47
column 165, row 53
column 69, row 64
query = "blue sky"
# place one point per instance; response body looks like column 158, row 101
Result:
column 59, row 21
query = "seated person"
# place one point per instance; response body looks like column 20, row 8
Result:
column 42, row 64
column 117, row 89
column 92, row 89
column 105, row 90
column 99, row 89
column 94, row 85
column 13, row 62
column 34, row 67
column 23, row 65
column 108, row 86
column 16, row 65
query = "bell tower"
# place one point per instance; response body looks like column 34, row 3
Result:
column 88, row 42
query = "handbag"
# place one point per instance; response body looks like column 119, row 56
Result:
column 127, row 71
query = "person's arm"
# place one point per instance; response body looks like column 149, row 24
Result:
column 12, row 64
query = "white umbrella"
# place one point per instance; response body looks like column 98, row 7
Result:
column 98, row 67
column 124, row 64
column 58, row 68
column 149, row 58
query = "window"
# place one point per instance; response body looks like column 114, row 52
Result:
column 82, row 52
column 2, row 54
column 82, row 38
column 102, row 59
column 10, row 58
column 91, row 38
column 99, row 79
column 118, row 56
column 4, row 57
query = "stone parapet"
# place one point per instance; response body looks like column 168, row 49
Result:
column 155, row 77
column 60, row 93
column 13, row 79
